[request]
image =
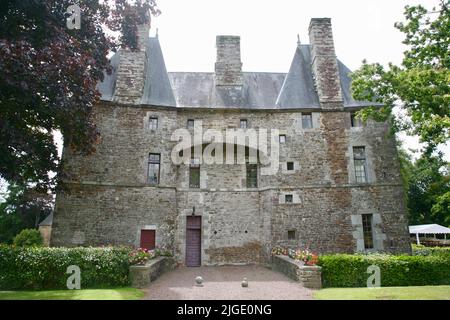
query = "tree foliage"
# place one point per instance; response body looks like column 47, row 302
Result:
column 48, row 78
column 420, row 85
column 24, row 208
column 427, row 189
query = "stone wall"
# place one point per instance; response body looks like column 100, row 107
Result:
column 308, row 276
column 142, row 275
column 108, row 200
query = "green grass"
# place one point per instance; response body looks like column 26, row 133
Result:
column 386, row 293
column 88, row 294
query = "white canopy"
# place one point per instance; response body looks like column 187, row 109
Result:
column 428, row 229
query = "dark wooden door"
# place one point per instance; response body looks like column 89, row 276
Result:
column 193, row 241
column 148, row 239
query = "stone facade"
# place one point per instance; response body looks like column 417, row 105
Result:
column 109, row 201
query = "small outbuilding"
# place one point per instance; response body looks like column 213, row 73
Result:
column 433, row 229
column 45, row 228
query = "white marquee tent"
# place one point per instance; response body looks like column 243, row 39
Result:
column 428, row 229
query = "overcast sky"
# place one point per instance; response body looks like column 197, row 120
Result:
column 362, row 29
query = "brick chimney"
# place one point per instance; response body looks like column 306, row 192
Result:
column 228, row 68
column 324, row 63
column 132, row 68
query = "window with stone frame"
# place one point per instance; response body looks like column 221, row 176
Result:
column 290, row 166
column 282, row 138
column 307, row 122
column 252, row 175
column 288, row 198
column 355, row 121
column 360, row 164
column 367, row 230
column 291, row 235
column 243, row 124
column 194, row 173
column 154, row 164
column 153, row 123
column 190, row 123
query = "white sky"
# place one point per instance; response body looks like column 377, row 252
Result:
column 362, row 29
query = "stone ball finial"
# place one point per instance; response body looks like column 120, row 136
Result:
column 244, row 283
column 199, row 281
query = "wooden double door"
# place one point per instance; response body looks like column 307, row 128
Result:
column 193, row 241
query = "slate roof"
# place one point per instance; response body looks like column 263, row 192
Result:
column 261, row 90
column 48, row 221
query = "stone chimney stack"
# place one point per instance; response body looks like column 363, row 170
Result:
column 132, row 68
column 324, row 63
column 228, row 68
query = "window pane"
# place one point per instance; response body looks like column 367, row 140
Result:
column 359, row 156
column 154, row 158
column 307, row 120
column 356, row 122
column 367, row 230
column 243, row 124
column 291, row 234
column 190, row 123
column 290, row 166
column 194, row 177
column 288, row 198
column 252, row 176
column 282, row 138
column 153, row 173
column 153, row 123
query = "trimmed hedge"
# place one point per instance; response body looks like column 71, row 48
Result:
column 350, row 270
column 38, row 268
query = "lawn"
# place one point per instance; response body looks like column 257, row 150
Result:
column 88, row 294
column 386, row 293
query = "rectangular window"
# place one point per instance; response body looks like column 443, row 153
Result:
column 307, row 121
column 291, row 234
column 154, row 161
column 243, row 124
column 194, row 173
column 153, row 123
column 367, row 230
column 252, row 175
column 290, row 166
column 359, row 159
column 282, row 138
column 288, row 198
column 190, row 123
column 356, row 122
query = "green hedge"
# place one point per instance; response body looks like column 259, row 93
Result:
column 37, row 268
column 426, row 251
column 345, row 270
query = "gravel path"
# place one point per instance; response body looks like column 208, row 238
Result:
column 224, row 283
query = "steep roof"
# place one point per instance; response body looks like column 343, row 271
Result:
column 261, row 90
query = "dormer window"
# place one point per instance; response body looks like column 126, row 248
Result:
column 153, row 123
column 243, row 124
column 307, row 121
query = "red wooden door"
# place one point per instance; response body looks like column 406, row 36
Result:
column 193, row 241
column 148, row 239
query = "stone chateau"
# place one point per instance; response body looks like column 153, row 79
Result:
column 338, row 187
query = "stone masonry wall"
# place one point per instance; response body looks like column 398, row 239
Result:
column 109, row 202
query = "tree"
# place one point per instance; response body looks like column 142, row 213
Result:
column 24, row 208
column 428, row 191
column 48, row 78
column 420, row 85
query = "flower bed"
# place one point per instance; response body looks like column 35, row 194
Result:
column 307, row 257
